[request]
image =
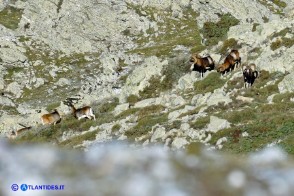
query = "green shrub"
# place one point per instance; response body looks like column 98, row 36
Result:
column 115, row 127
column 215, row 32
column 132, row 99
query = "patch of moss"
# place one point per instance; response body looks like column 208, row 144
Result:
column 10, row 17
column 209, row 83
column 215, row 32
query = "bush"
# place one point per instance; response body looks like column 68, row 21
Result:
column 215, row 32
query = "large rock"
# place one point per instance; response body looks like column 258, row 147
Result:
column 217, row 124
column 286, row 85
column 219, row 96
column 168, row 100
column 139, row 78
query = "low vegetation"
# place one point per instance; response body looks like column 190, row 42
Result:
column 211, row 82
column 215, row 32
column 171, row 32
column 276, row 6
column 10, row 17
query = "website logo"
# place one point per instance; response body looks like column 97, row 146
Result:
column 24, row 187
column 14, row 187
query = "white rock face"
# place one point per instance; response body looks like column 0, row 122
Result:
column 251, row 10
column 286, row 85
column 168, row 100
column 141, row 75
column 158, row 134
column 217, row 124
column 120, row 108
column 219, row 96
column 179, row 143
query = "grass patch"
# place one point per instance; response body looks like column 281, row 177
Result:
column 150, row 110
column 10, row 17
column 200, row 123
column 243, row 116
column 215, row 32
column 265, row 124
column 209, row 83
column 260, row 91
column 284, row 97
column 76, row 140
column 145, row 125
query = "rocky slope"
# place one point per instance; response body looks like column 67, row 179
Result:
column 129, row 61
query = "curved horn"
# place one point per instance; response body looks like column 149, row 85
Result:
column 243, row 67
column 252, row 66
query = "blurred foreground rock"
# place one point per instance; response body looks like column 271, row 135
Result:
column 116, row 169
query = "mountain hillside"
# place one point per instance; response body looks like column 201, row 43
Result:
column 129, row 61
